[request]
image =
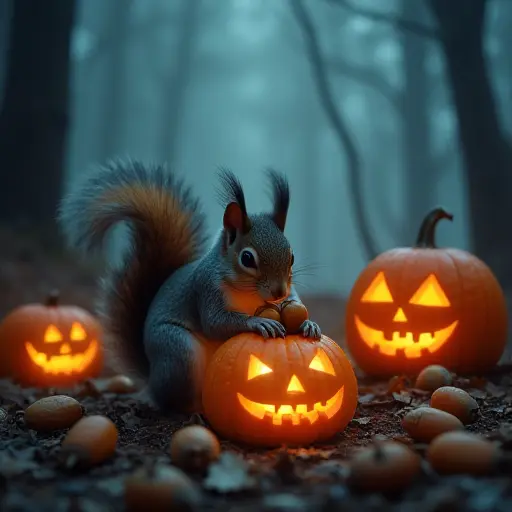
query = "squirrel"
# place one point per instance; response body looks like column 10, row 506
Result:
column 170, row 286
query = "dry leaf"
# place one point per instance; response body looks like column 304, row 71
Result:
column 362, row 421
column 365, row 399
column 477, row 393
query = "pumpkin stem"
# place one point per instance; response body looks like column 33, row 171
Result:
column 52, row 299
column 426, row 235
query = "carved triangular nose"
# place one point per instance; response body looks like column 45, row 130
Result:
column 295, row 386
column 400, row 316
column 65, row 348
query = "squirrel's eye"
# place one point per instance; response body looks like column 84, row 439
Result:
column 292, row 260
column 247, row 259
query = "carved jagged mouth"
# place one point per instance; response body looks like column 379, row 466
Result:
column 301, row 414
column 63, row 364
column 412, row 345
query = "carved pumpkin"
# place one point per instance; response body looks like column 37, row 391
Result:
column 50, row 345
column 413, row 307
column 281, row 391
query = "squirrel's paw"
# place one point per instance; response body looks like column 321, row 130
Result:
column 310, row 329
column 266, row 327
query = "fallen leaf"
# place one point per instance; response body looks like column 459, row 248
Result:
column 229, row 474
column 403, row 397
column 362, row 421
column 494, row 390
column 365, row 399
column 477, row 393
column 311, row 453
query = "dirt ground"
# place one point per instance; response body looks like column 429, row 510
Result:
column 33, row 479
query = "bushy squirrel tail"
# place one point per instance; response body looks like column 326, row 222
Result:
column 167, row 231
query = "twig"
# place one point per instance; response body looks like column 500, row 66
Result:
column 396, row 21
column 337, row 121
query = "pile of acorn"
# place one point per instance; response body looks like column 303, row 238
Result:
column 388, row 465
column 384, row 466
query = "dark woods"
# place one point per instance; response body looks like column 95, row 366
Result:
column 35, row 50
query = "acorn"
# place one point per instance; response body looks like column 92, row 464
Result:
column 293, row 315
column 433, row 377
column 270, row 311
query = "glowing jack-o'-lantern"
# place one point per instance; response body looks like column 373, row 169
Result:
column 412, row 307
column 50, row 344
column 281, row 391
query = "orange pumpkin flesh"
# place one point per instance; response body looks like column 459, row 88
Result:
column 414, row 307
column 50, row 345
column 283, row 391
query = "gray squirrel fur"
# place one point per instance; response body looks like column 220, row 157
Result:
column 170, row 285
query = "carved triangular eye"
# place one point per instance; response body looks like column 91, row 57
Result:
column 322, row 363
column 430, row 293
column 257, row 368
column 378, row 291
column 77, row 332
column 52, row 334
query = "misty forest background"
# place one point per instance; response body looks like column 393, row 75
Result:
column 377, row 110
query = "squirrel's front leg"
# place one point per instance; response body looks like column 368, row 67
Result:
column 217, row 322
column 309, row 329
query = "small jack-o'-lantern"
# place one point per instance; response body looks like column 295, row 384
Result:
column 413, row 307
column 280, row 391
column 50, row 345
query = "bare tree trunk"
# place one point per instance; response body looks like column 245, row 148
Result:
column 486, row 153
column 419, row 177
column 179, row 78
column 34, row 117
column 338, row 124
column 115, row 80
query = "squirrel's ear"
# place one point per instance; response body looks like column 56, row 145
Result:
column 235, row 219
column 280, row 197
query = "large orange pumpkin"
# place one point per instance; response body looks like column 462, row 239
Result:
column 282, row 391
column 50, row 345
column 412, row 307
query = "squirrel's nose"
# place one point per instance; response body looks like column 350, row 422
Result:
column 278, row 291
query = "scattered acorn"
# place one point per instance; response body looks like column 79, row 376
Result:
column 293, row 315
column 269, row 311
column 53, row 413
column 120, row 384
column 194, row 448
column 455, row 401
column 160, row 488
column 433, row 377
column 426, row 423
column 462, row 453
column 90, row 441
column 386, row 466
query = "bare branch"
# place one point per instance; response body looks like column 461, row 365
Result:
column 335, row 117
column 367, row 76
column 399, row 23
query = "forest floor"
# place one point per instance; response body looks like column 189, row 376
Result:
column 316, row 478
